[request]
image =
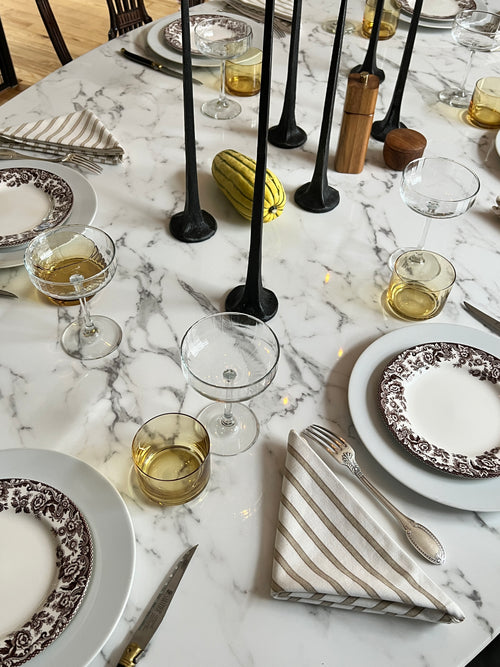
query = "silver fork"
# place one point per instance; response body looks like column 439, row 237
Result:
column 419, row 536
column 75, row 158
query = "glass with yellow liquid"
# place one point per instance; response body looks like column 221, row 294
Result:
column 243, row 74
column 388, row 22
column 484, row 108
column 171, row 454
column 420, row 284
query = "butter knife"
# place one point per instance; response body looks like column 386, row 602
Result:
column 135, row 57
column 8, row 295
column 156, row 611
column 487, row 320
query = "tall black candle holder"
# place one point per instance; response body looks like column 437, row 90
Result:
column 369, row 64
column 381, row 128
column 287, row 134
column 252, row 298
column 193, row 224
column 317, row 196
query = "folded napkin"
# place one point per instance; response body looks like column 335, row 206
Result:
column 78, row 132
column 329, row 551
column 255, row 9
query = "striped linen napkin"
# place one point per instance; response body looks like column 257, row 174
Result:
column 78, row 132
column 329, row 551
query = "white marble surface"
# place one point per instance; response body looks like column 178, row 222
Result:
column 328, row 272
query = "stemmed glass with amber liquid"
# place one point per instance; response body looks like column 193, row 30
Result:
column 71, row 264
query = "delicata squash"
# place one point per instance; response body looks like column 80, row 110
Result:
column 234, row 173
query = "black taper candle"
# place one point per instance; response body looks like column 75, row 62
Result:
column 381, row 128
column 287, row 134
column 193, row 224
column 317, row 196
column 252, row 298
column 369, row 64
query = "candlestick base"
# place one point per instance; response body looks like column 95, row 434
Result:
column 192, row 228
column 261, row 303
column 310, row 199
column 291, row 137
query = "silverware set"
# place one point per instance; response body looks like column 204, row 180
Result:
column 72, row 158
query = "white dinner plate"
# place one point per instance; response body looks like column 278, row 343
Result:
column 497, row 143
column 442, row 402
column 40, row 595
column 84, row 202
column 438, row 10
column 114, row 550
column 156, row 41
column 31, row 201
column 481, row 495
column 425, row 23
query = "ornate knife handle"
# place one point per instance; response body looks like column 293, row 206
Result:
column 130, row 655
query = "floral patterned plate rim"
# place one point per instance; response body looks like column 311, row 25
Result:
column 438, row 10
column 173, row 31
column 441, row 401
column 46, row 201
column 73, row 561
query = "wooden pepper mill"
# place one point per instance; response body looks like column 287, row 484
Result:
column 359, row 107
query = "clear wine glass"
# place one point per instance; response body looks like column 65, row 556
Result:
column 436, row 187
column 229, row 357
column 330, row 25
column 225, row 38
column 72, row 263
column 478, row 31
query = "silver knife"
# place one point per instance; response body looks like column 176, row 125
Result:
column 156, row 611
column 153, row 65
column 487, row 320
column 9, row 295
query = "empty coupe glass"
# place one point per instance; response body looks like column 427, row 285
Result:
column 72, row 263
column 225, row 38
column 436, row 187
column 478, row 31
column 229, row 357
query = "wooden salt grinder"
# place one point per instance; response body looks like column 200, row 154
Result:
column 359, row 107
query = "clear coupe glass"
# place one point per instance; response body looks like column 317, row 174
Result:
column 436, row 187
column 72, row 263
column 478, row 31
column 229, row 357
column 224, row 38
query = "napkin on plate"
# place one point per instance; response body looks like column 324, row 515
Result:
column 329, row 551
column 77, row 132
column 255, row 9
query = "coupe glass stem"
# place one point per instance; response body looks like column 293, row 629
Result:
column 227, row 419
column 89, row 328
column 467, row 72
column 222, row 94
column 423, row 237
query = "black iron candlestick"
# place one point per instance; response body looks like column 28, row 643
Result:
column 369, row 64
column 381, row 128
column 252, row 298
column 287, row 134
column 317, row 196
column 193, row 224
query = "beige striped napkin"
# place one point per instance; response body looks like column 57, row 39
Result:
column 77, row 132
column 329, row 551
column 283, row 10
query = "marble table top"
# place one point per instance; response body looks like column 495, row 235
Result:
column 328, row 271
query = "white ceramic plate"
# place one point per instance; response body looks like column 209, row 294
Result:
column 442, row 402
column 438, row 10
column 481, row 495
column 156, row 41
column 424, row 23
column 37, row 518
column 114, row 550
column 84, row 202
column 31, row 200
column 497, row 143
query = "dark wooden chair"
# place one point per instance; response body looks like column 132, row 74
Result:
column 124, row 15
column 7, row 73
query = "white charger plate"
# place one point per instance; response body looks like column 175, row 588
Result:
column 156, row 41
column 497, row 142
column 425, row 23
column 480, row 495
column 84, row 202
column 439, row 10
column 114, row 550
